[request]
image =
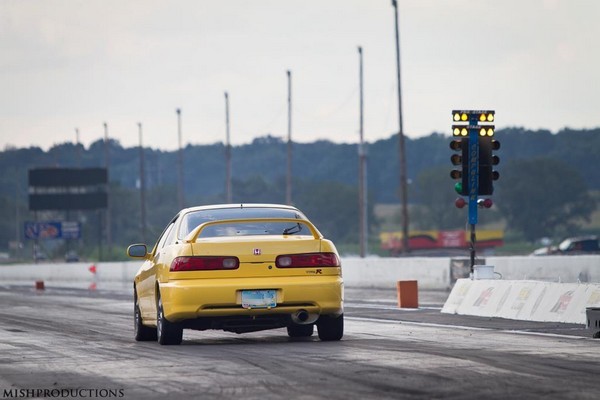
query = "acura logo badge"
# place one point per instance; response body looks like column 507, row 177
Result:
column 257, row 252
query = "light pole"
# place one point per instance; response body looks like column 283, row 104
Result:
column 362, row 169
column 402, row 150
column 288, row 181
column 108, row 210
column 180, row 198
column 227, row 153
column 77, row 147
column 142, row 186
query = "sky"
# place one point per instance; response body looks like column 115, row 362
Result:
column 75, row 64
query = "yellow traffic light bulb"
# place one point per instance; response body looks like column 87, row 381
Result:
column 456, row 132
column 490, row 117
column 464, row 132
column 482, row 117
column 490, row 132
column 464, row 117
column 457, row 116
column 482, row 132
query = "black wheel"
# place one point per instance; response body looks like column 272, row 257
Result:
column 296, row 330
column 167, row 332
column 142, row 332
column 330, row 328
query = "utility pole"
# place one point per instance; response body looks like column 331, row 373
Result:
column 108, row 208
column 402, row 150
column 362, row 170
column 180, row 198
column 17, row 217
column 228, row 193
column 142, row 186
column 288, row 181
column 78, row 148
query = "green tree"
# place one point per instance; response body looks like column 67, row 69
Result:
column 332, row 207
column 434, row 192
column 543, row 197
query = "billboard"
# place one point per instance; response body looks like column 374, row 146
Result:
column 68, row 189
column 85, row 201
column 52, row 230
column 67, row 177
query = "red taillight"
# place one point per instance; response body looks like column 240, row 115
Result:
column 307, row 260
column 210, row 263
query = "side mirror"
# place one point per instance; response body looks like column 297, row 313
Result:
column 137, row 251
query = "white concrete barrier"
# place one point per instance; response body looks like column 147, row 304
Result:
column 71, row 272
column 430, row 272
column 583, row 268
column 523, row 300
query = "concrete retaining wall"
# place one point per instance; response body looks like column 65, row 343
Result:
column 113, row 272
column 430, row 272
column 548, row 268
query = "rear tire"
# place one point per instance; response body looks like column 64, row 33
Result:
column 298, row 331
column 168, row 333
column 142, row 332
column 330, row 328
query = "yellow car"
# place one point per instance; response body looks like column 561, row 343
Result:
column 240, row 268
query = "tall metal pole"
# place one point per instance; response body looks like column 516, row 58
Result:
column 402, row 150
column 142, row 186
column 362, row 165
column 17, row 218
column 108, row 206
column 288, row 181
column 78, row 148
column 227, row 153
column 180, row 198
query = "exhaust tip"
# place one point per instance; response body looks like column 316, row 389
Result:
column 302, row 315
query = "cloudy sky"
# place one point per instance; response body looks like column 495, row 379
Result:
column 67, row 64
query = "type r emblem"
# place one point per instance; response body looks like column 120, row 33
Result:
column 257, row 252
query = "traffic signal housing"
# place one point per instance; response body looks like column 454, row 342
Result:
column 479, row 123
column 482, row 116
column 487, row 161
column 460, row 159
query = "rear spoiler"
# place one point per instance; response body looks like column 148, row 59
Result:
column 193, row 235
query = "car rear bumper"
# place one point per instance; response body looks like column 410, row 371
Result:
column 194, row 298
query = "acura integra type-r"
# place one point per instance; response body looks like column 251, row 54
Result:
column 238, row 268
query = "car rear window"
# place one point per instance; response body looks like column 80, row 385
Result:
column 195, row 218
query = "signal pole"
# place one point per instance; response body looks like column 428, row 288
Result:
column 228, row 193
column 142, row 186
column 180, row 198
column 288, row 185
column 362, row 169
column 473, row 137
column 402, row 150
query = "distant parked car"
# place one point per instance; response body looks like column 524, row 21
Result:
column 572, row 246
column 71, row 256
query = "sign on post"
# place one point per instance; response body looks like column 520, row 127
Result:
column 52, row 230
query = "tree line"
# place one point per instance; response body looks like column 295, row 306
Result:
column 545, row 187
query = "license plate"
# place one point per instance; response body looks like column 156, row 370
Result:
column 259, row 298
